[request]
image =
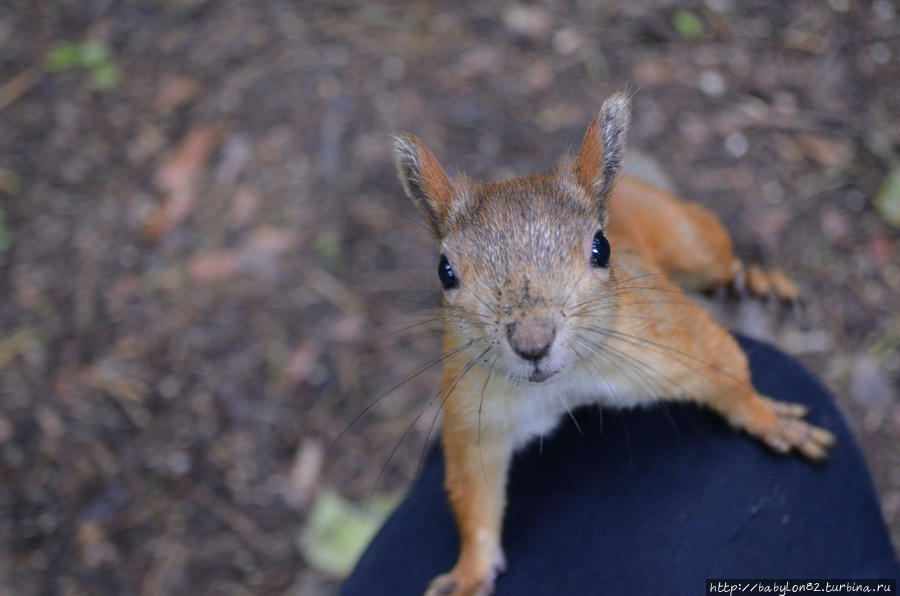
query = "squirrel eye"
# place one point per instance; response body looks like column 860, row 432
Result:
column 600, row 250
column 445, row 272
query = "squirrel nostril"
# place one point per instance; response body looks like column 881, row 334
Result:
column 531, row 338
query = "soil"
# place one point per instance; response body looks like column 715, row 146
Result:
column 209, row 267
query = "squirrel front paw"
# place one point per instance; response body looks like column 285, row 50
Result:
column 791, row 432
column 465, row 581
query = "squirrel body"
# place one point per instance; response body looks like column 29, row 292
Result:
column 565, row 289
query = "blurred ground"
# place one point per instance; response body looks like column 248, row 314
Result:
column 206, row 258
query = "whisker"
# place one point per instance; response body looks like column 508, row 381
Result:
column 635, row 365
column 613, row 316
column 637, row 341
column 563, row 402
column 406, row 432
column 609, row 299
column 626, row 366
column 404, row 328
column 477, row 297
column 617, row 399
column 444, row 401
column 425, row 368
column 660, row 404
column 480, row 404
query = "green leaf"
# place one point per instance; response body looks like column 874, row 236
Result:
column 94, row 53
column 688, row 24
column 337, row 531
column 887, row 200
column 65, row 56
column 328, row 247
column 105, row 76
column 10, row 183
column 5, row 233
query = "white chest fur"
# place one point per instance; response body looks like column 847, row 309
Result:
column 530, row 410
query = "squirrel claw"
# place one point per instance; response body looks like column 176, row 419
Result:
column 449, row 584
column 792, row 433
column 459, row 583
column 786, row 409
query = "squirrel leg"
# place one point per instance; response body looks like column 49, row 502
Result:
column 476, row 469
column 727, row 389
column 690, row 243
column 701, row 362
column 779, row 425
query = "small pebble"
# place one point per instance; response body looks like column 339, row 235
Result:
column 179, row 463
column 736, row 144
column 712, row 83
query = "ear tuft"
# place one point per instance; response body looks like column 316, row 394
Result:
column 423, row 180
column 600, row 156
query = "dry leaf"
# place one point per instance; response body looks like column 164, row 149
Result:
column 301, row 363
column 304, row 474
column 824, row 150
column 176, row 179
column 265, row 244
column 174, row 91
column 213, row 266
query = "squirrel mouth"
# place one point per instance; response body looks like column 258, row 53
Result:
column 539, row 376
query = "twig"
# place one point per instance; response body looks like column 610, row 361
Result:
column 19, row 85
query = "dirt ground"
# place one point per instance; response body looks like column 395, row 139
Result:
column 207, row 264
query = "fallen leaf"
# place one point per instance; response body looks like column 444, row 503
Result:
column 176, row 179
column 824, row 150
column 304, row 474
column 265, row 244
column 887, row 200
column 5, row 233
column 337, row 531
column 173, row 92
column 213, row 266
column 301, row 363
column 688, row 24
column 19, row 85
column 105, row 77
column 66, row 55
column 20, row 342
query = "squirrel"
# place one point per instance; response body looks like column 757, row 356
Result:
column 567, row 288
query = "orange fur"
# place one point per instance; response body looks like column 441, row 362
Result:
column 529, row 268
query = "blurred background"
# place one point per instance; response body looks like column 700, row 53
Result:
column 208, row 269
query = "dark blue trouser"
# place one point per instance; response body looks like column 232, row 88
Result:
column 654, row 501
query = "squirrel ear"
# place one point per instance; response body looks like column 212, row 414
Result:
column 600, row 156
column 424, row 180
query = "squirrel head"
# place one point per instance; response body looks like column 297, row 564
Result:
column 519, row 258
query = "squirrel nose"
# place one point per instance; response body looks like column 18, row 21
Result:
column 531, row 338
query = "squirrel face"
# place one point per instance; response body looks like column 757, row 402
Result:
column 518, row 258
column 521, row 257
